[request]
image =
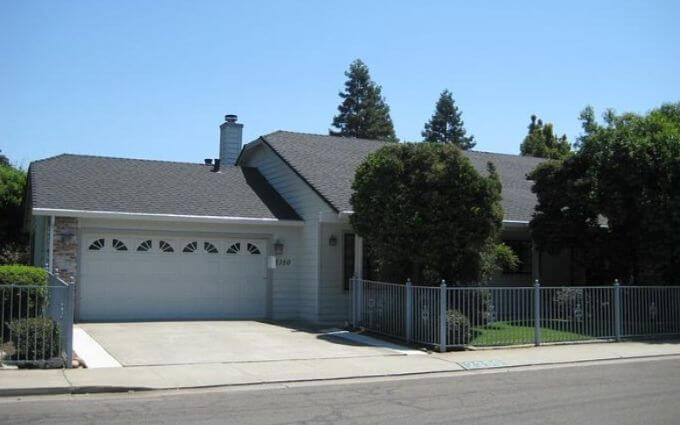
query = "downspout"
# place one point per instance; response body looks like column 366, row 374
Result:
column 51, row 246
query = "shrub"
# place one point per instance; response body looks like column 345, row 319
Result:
column 23, row 275
column 474, row 303
column 458, row 327
column 19, row 302
column 35, row 339
column 570, row 303
column 424, row 205
column 6, row 350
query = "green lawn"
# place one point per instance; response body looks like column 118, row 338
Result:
column 504, row 333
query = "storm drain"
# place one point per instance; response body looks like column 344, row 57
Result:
column 483, row 364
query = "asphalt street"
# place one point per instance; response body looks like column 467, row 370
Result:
column 630, row 392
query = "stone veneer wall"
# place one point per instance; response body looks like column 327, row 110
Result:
column 65, row 254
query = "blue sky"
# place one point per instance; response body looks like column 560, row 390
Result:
column 153, row 79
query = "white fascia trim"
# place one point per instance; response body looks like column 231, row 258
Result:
column 508, row 223
column 164, row 217
column 515, row 223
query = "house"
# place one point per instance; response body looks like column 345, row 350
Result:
column 261, row 232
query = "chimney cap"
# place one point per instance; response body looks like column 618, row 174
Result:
column 230, row 118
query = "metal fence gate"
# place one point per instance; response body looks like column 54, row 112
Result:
column 38, row 323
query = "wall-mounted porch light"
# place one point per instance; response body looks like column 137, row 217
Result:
column 278, row 248
column 333, row 240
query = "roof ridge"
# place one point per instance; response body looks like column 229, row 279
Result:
column 47, row 159
column 115, row 158
column 327, row 135
column 385, row 142
column 506, row 154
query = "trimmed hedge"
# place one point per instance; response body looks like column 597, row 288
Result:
column 29, row 297
column 17, row 274
column 35, row 339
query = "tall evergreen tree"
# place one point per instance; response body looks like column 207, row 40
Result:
column 542, row 142
column 446, row 125
column 363, row 112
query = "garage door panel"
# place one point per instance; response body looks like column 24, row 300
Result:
column 159, row 285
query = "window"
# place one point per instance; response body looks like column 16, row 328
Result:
column 347, row 259
column 165, row 247
column 253, row 249
column 234, row 248
column 522, row 250
column 209, row 248
column 97, row 245
column 191, row 247
column 118, row 245
column 144, row 246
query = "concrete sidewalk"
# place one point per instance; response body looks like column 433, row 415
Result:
column 25, row 382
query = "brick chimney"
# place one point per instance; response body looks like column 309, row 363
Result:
column 231, row 137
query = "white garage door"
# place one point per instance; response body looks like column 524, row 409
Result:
column 159, row 277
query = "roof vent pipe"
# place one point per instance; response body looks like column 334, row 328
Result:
column 216, row 167
column 231, row 137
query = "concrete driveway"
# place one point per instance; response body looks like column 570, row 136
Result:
column 173, row 343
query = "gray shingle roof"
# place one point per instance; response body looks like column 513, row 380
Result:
column 328, row 164
column 94, row 183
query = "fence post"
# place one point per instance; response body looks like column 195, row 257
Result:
column 360, row 301
column 353, row 302
column 617, row 310
column 68, row 322
column 537, row 313
column 442, row 317
column 409, row 310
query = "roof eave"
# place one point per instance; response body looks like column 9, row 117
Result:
column 506, row 223
column 58, row 212
column 515, row 223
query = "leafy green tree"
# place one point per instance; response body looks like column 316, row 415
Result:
column 363, row 112
column 12, row 187
column 425, row 210
column 542, row 142
column 567, row 217
column 3, row 159
column 617, row 199
column 446, row 124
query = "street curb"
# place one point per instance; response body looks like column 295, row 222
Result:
column 96, row 389
column 99, row 389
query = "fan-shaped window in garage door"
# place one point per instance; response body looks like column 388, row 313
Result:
column 191, row 247
column 209, row 248
column 144, row 246
column 234, row 248
column 97, row 245
column 118, row 245
column 253, row 249
column 165, row 247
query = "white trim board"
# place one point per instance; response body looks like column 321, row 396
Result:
column 164, row 217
